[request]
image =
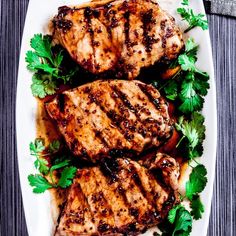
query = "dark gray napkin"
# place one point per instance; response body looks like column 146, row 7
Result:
column 223, row 7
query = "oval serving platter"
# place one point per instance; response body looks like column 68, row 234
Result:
column 39, row 213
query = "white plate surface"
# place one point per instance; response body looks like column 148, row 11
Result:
column 38, row 210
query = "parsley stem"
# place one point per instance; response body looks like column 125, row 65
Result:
column 177, row 145
column 51, row 177
column 196, row 162
column 189, row 28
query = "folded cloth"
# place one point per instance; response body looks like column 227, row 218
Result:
column 223, row 7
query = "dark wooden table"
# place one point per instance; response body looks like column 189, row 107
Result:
column 223, row 37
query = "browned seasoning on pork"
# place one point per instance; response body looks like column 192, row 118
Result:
column 103, row 117
column 123, row 36
column 120, row 197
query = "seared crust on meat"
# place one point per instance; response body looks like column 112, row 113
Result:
column 120, row 197
column 118, row 35
column 104, row 117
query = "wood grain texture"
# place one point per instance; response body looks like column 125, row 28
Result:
column 222, row 29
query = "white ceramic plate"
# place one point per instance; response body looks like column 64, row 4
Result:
column 38, row 210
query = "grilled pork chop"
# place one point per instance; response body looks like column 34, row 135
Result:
column 103, row 117
column 118, row 35
column 120, row 197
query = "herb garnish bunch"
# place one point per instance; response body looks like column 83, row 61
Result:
column 187, row 89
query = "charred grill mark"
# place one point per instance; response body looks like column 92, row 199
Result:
column 61, row 102
column 99, row 135
column 79, row 217
column 163, row 38
column 149, row 197
column 121, row 192
column 60, row 22
column 126, row 28
column 123, row 97
column 109, row 168
column 107, row 14
column 167, row 205
column 148, row 21
column 144, row 89
column 115, row 118
column 88, row 14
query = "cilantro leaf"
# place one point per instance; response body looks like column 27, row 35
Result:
column 197, row 181
column 67, row 176
column 193, row 88
column 42, row 46
column 36, row 63
column 189, row 85
column 187, row 63
column 36, row 149
column 54, row 146
column 58, row 165
column 171, row 90
column 197, row 207
column 39, row 183
column 42, row 85
column 33, row 60
column 191, row 47
column 194, row 20
column 46, row 60
column 172, row 213
column 193, row 132
column 185, row 2
column 181, row 219
column 37, row 146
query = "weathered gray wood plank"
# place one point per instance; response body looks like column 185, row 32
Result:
column 222, row 220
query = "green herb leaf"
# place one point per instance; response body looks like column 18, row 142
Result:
column 37, row 146
column 193, row 132
column 197, row 207
column 191, row 47
column 36, row 149
column 60, row 165
column 187, row 63
column 39, row 183
column 194, row 20
column 172, row 213
column 185, row 2
column 181, row 220
column 67, row 176
column 42, row 46
column 197, row 181
column 193, row 88
column 42, row 85
column 46, row 62
column 54, row 146
column 171, row 90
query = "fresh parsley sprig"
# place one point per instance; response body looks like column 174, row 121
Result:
column 46, row 65
column 194, row 20
column 180, row 218
column 193, row 135
column 40, row 184
column 189, row 85
column 195, row 185
column 181, row 221
column 36, row 149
